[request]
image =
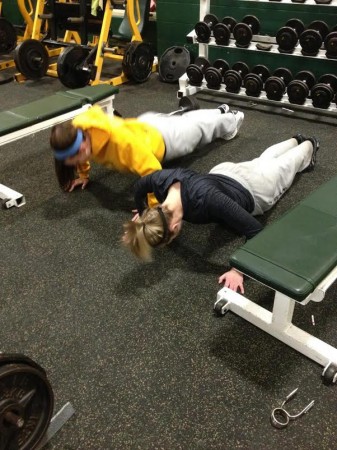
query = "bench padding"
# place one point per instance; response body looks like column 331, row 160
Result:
column 52, row 106
column 295, row 253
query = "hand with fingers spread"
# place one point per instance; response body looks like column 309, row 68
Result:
column 78, row 182
column 233, row 280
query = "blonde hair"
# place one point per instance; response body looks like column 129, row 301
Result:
column 149, row 230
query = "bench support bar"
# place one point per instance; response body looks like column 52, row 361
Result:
column 278, row 324
column 11, row 198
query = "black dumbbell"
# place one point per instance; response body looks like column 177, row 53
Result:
column 330, row 44
column 298, row 1
column 214, row 74
column 322, row 94
column 243, row 31
column 312, row 38
column 233, row 77
column 275, row 86
column 203, row 29
column 253, row 82
column 222, row 30
column 186, row 103
column 287, row 36
column 323, row 2
column 195, row 72
column 299, row 88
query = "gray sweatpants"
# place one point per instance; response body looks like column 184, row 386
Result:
column 268, row 177
column 183, row 134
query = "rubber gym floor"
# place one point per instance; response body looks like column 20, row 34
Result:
column 136, row 347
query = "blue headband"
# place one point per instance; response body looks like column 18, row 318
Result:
column 62, row 155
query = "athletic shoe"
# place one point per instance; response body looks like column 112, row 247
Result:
column 315, row 144
column 239, row 116
column 299, row 138
column 224, row 108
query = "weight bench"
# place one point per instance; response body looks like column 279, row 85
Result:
column 46, row 112
column 296, row 256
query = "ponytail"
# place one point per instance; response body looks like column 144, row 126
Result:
column 147, row 231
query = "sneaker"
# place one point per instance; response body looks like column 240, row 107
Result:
column 224, row 108
column 239, row 116
column 299, row 138
column 315, row 144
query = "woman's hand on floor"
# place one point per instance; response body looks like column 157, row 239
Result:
column 233, row 280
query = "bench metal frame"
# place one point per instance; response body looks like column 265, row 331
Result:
column 279, row 324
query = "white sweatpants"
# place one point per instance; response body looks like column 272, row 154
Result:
column 268, row 177
column 184, row 133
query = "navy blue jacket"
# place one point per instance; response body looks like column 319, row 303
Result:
column 205, row 198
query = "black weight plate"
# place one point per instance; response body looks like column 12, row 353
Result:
column 253, row 22
column 213, row 77
column 241, row 68
column 173, row 63
column 19, row 358
column 232, row 80
column 138, row 61
column 329, row 79
column 330, row 45
column 297, row 92
column 8, row 38
column 69, row 67
column 221, row 64
column 284, row 73
column 310, row 41
column 307, row 77
column 194, row 74
column 286, row 38
column 31, row 59
column 203, row 32
column 202, row 62
column 321, row 27
column 296, row 24
column 275, row 88
column 243, row 35
column 253, row 84
column 262, row 71
column 221, row 34
column 322, row 95
column 229, row 21
column 211, row 20
column 26, row 406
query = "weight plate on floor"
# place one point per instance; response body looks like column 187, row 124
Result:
column 173, row 63
column 26, row 405
column 8, row 38
column 138, row 61
column 31, row 59
column 70, row 67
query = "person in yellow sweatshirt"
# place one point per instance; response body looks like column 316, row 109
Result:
column 135, row 145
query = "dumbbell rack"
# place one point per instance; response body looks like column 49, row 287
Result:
column 186, row 89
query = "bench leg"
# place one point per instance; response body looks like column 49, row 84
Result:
column 277, row 323
column 10, row 197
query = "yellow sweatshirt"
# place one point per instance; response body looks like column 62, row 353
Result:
column 124, row 145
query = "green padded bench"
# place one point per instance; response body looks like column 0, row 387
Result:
column 44, row 113
column 296, row 256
